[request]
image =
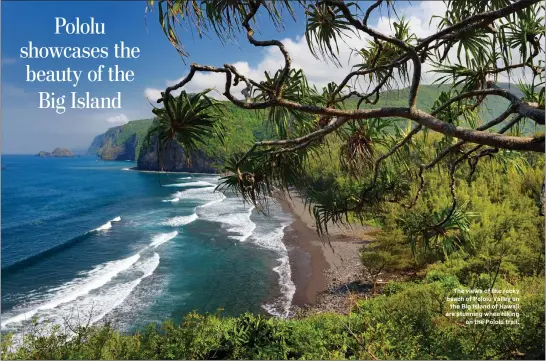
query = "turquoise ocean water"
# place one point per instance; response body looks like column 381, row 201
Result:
column 85, row 240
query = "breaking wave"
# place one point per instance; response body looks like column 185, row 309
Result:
column 60, row 247
column 94, row 293
column 180, row 220
column 107, row 225
column 190, row 184
column 97, row 277
column 274, row 241
column 162, row 238
column 171, row 200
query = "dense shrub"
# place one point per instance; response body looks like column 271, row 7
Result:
column 407, row 322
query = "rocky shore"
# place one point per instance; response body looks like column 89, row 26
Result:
column 325, row 270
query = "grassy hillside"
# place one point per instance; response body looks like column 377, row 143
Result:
column 427, row 95
column 244, row 127
column 138, row 127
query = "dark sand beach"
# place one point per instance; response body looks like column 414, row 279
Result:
column 322, row 266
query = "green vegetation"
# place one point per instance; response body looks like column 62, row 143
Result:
column 138, row 127
column 407, row 323
column 216, row 129
column 495, row 242
column 241, row 128
column 189, row 119
column 452, row 173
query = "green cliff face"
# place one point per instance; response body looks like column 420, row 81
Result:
column 243, row 127
column 122, row 142
column 126, row 143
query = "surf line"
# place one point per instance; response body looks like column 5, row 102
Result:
column 65, row 245
column 97, row 277
column 107, row 225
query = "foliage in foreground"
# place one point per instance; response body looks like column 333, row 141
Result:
column 408, row 323
column 499, row 245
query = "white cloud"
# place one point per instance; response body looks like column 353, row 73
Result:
column 118, row 119
column 319, row 72
column 152, row 94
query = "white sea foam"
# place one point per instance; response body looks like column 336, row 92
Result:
column 159, row 239
column 171, row 200
column 180, row 220
column 182, row 178
column 206, row 194
column 232, row 214
column 203, row 193
column 274, row 241
column 281, row 306
column 113, row 297
column 190, row 184
column 214, row 180
column 211, row 203
column 108, row 224
column 126, row 169
column 104, row 227
column 70, row 291
column 240, row 223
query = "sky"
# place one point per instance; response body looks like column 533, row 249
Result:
column 28, row 129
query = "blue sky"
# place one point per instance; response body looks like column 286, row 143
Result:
column 28, row 129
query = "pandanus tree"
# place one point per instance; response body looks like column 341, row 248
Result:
column 189, row 119
column 476, row 42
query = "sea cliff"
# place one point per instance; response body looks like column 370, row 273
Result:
column 122, row 142
column 126, row 142
column 174, row 160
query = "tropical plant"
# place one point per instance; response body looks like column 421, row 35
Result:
column 189, row 119
column 436, row 232
column 470, row 50
column 375, row 262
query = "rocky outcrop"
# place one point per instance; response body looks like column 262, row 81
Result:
column 174, row 160
column 57, row 152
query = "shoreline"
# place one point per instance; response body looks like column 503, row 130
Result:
column 323, row 269
column 307, row 261
column 135, row 169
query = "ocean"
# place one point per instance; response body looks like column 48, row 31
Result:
column 86, row 241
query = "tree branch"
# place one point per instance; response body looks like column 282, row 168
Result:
column 527, row 110
column 411, row 52
column 263, row 43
